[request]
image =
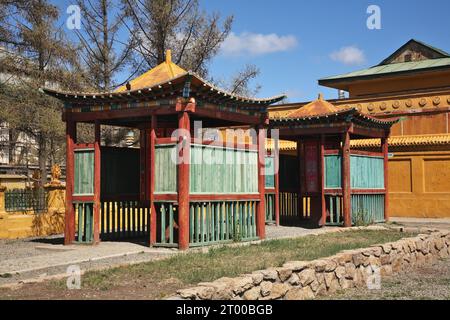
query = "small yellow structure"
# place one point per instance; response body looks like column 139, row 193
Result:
column 15, row 225
column 414, row 84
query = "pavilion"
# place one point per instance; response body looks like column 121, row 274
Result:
column 326, row 181
column 117, row 193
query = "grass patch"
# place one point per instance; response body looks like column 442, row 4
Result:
column 191, row 268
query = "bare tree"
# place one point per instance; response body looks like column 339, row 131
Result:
column 36, row 54
column 194, row 36
column 240, row 82
column 105, row 53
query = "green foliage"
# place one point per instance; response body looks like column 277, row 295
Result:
column 237, row 235
column 361, row 218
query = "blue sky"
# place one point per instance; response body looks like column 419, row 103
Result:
column 295, row 43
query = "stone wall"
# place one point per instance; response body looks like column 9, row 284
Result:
column 300, row 280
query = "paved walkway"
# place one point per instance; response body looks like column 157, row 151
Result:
column 22, row 260
column 443, row 223
column 44, row 258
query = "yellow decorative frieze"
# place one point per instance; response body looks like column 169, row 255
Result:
column 411, row 103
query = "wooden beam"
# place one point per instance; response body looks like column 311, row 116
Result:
column 71, row 137
column 385, row 150
column 151, row 154
column 369, row 132
column 277, row 181
column 97, row 185
column 228, row 116
column 119, row 113
column 323, row 205
column 310, row 130
column 184, row 144
column 143, row 156
column 301, row 181
column 260, row 210
column 346, row 192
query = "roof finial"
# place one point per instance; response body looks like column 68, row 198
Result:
column 169, row 56
column 320, row 96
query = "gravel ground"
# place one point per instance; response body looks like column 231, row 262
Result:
column 26, row 260
column 39, row 258
column 60, row 271
column 428, row 283
column 23, row 248
column 274, row 232
column 423, row 222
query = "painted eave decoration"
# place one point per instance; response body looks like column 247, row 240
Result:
column 321, row 111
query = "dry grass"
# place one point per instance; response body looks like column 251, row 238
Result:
column 157, row 279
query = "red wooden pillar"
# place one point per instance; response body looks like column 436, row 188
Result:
column 323, row 205
column 184, row 142
column 97, row 186
column 385, row 150
column 151, row 145
column 260, row 210
column 71, row 137
column 346, row 188
column 277, row 180
column 143, row 160
column 300, row 207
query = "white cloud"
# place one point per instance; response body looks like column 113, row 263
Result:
column 257, row 44
column 350, row 55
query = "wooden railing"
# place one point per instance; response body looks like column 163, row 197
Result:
column 84, row 221
column 288, row 205
column 166, row 224
column 334, row 210
column 367, row 208
column 270, row 207
column 224, row 221
column 124, row 219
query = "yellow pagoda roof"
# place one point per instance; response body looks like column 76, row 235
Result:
column 163, row 72
column 319, row 107
column 166, row 79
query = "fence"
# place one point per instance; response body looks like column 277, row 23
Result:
column 124, row 220
column 216, row 222
column 23, row 200
column 270, row 207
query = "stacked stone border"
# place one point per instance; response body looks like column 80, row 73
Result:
column 302, row 280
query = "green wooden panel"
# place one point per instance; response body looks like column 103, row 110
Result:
column 366, row 172
column 270, row 172
column 237, row 222
column 219, row 170
column 84, row 172
column 120, row 171
column 332, row 171
column 165, row 170
column 367, row 208
column 85, row 217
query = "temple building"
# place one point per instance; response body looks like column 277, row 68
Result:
column 412, row 84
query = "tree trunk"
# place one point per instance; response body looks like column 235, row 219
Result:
column 42, row 155
column 12, row 137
